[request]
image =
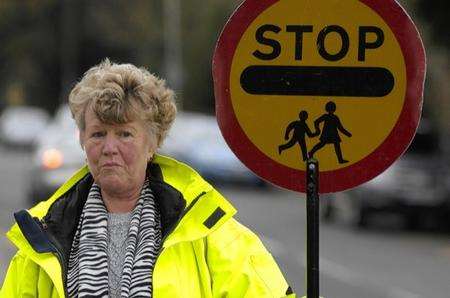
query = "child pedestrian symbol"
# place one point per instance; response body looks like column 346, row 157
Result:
column 301, row 129
column 330, row 131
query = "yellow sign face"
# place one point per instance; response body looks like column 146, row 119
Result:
column 327, row 79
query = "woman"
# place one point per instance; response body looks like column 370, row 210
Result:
column 133, row 223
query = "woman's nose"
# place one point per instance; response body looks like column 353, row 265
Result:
column 110, row 145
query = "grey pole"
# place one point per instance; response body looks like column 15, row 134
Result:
column 69, row 47
column 173, row 68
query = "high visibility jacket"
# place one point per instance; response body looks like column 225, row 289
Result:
column 205, row 251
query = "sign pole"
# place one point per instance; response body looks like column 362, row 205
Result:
column 312, row 235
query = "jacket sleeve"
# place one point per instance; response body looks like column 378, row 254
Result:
column 11, row 283
column 25, row 279
column 240, row 265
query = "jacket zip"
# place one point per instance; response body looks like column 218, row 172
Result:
column 176, row 224
column 58, row 253
column 182, row 214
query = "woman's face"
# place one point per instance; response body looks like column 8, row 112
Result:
column 117, row 154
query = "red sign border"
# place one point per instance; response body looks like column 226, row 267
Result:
column 331, row 181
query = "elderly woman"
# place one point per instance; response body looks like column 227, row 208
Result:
column 133, row 223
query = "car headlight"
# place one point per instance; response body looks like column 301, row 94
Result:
column 52, row 159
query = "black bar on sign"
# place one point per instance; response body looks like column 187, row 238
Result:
column 317, row 80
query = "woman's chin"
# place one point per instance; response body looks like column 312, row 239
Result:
column 111, row 183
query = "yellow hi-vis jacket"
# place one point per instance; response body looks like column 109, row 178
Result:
column 205, row 251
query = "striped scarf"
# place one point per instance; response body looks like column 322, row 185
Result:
column 88, row 261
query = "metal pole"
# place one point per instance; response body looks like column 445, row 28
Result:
column 173, row 64
column 69, row 49
column 312, row 226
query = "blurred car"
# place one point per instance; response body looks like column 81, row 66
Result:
column 57, row 155
column 414, row 186
column 196, row 140
column 19, row 125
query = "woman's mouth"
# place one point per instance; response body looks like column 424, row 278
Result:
column 110, row 165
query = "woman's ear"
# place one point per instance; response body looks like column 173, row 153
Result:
column 150, row 156
column 81, row 136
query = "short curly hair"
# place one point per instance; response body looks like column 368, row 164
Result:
column 119, row 93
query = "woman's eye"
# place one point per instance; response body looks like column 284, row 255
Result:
column 97, row 134
column 125, row 134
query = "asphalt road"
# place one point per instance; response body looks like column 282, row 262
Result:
column 13, row 167
column 379, row 263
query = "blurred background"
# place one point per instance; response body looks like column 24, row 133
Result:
column 386, row 238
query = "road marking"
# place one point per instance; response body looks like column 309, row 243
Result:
column 338, row 272
column 395, row 292
column 346, row 275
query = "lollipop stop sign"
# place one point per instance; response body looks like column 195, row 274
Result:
column 340, row 81
column 300, row 83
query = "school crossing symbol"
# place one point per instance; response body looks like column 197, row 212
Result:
column 330, row 133
column 340, row 81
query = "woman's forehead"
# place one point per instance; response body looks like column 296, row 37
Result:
column 93, row 121
column 113, row 111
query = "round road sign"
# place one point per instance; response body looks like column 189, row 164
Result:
column 341, row 81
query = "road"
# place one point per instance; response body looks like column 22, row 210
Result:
column 13, row 167
column 379, row 263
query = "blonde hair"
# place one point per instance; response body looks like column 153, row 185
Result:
column 119, row 93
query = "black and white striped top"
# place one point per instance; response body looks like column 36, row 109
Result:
column 88, row 261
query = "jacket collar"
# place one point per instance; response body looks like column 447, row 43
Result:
column 190, row 209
